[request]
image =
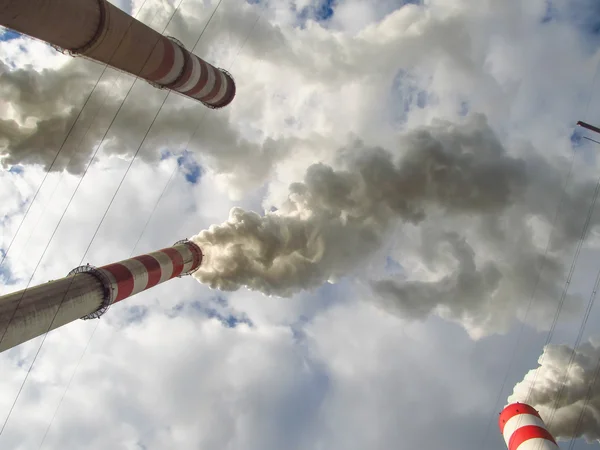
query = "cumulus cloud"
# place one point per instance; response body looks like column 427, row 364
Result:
column 565, row 389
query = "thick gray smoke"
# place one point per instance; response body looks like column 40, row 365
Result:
column 569, row 404
column 39, row 108
column 337, row 219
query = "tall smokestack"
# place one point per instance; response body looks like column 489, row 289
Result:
column 100, row 31
column 87, row 292
column 588, row 126
column 523, row 429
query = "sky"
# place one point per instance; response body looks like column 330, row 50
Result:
column 393, row 174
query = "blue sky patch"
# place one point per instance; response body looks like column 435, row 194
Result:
column 583, row 14
column 6, row 275
column 298, row 328
column 16, row 169
column 406, row 94
column 216, row 308
column 576, row 138
column 324, row 11
column 550, row 13
column 222, row 313
column 8, row 35
column 229, row 321
column 165, row 154
column 586, row 149
column 393, row 266
column 136, row 314
column 320, row 11
column 190, row 167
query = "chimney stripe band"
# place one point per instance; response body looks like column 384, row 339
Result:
column 538, row 444
column 215, row 90
column 197, row 256
column 176, row 66
column 188, row 258
column 201, row 83
column 152, row 267
column 165, row 264
column 528, row 432
column 194, row 75
column 123, row 278
column 167, row 60
column 229, row 93
column 113, row 284
column 223, row 89
column 185, row 73
column 519, row 421
column 208, row 86
column 512, row 410
column 138, row 273
column 176, row 259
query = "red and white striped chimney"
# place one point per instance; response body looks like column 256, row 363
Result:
column 87, row 292
column 524, row 429
column 100, row 31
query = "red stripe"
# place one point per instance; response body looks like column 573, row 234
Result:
column 186, row 73
column 168, row 60
column 512, row 410
column 197, row 255
column 216, row 88
column 229, row 93
column 204, row 68
column 528, row 432
column 588, row 126
column 176, row 259
column 124, row 280
column 152, row 267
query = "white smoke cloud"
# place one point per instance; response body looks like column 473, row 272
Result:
column 335, row 221
column 569, row 402
column 42, row 106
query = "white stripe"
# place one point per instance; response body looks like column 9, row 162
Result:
column 139, row 272
column 187, row 256
column 537, row 444
column 113, row 284
column 210, row 83
column 222, row 90
column 166, row 265
column 187, row 266
column 177, row 64
column 518, row 421
column 194, row 76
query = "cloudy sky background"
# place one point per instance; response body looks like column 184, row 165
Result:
column 394, row 352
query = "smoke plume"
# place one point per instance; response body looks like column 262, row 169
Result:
column 477, row 197
column 569, row 404
column 39, row 109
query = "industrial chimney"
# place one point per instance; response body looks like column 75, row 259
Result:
column 87, row 292
column 523, row 429
column 100, row 31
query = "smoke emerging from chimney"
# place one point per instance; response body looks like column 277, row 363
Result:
column 574, row 412
column 40, row 107
column 335, row 220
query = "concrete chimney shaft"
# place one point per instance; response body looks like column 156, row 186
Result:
column 102, row 32
column 87, row 292
column 523, row 429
